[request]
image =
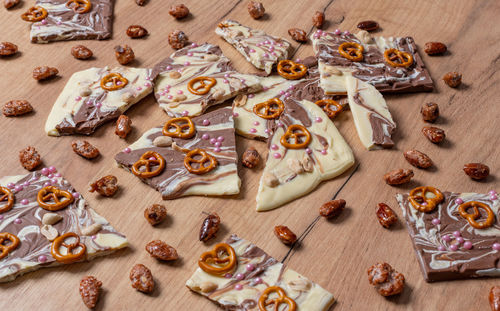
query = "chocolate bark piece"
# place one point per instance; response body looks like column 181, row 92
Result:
column 175, row 180
column 83, row 105
column 25, row 221
column 373, row 68
column 62, row 23
column 266, row 272
column 206, row 62
column 434, row 241
column 260, row 49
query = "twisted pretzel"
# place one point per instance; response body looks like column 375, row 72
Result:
column 421, row 202
column 352, row 51
column 184, row 128
column 273, row 108
column 471, row 218
column 212, row 263
column 6, row 249
column 145, row 160
column 202, row 88
column 327, row 104
column 205, row 157
column 117, row 82
column 405, row 59
column 291, row 70
column 54, row 193
column 79, row 6
column 69, row 257
column 6, row 195
column 34, row 14
column 282, row 299
column 294, row 132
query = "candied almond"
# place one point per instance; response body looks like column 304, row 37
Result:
column 105, row 186
column 178, row 11
column 16, row 108
column 332, row 208
column 285, row 235
column 430, row 112
column 417, row 158
column 90, row 289
column 318, row 19
column 161, row 250
column 85, row 149
column 435, row 48
column 398, row 177
column 256, row 9
column 155, row 214
column 177, row 39
column 142, row 278
column 297, row 34
column 477, row 171
column 81, row 52
column 368, row 25
column 210, row 227
column 250, row 158
column 385, row 214
column 29, row 158
column 44, row 73
column 8, row 49
column 453, row 79
column 385, row 279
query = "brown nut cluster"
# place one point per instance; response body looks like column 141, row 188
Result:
column 318, row 19
column 105, row 186
column 10, row 3
column 178, row 11
column 417, row 158
column 16, row 108
column 124, row 54
column 398, row 177
column 177, row 39
column 85, row 149
column 385, row 279
column 256, row 9
column 285, row 235
column 435, row 48
column 81, row 52
column 430, row 112
column 142, row 278
column 250, row 158
column 477, row 171
column 453, row 79
column 161, row 250
column 141, row 2
column 494, row 298
column 434, row 134
column 385, row 214
column 8, row 49
column 90, row 289
column 29, row 158
column 155, row 214
column 136, row 31
column 332, row 208
column 368, row 25
column 209, row 227
column 44, row 73
column 123, row 126
column 298, row 34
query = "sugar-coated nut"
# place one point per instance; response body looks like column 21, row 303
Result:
column 106, row 186
column 477, row 171
column 162, row 141
column 207, row 287
column 240, row 100
column 385, row 279
column 142, row 279
column 385, row 214
column 295, row 166
column 297, row 34
column 417, row 158
column 332, row 208
column 178, row 11
column 92, row 229
column 123, row 126
column 318, row 19
column 285, row 235
column 307, row 164
column 177, row 39
column 161, row 250
column 85, row 149
column 136, row 31
column 430, row 112
column 10, row 3
column 155, row 214
column 256, row 9
column 124, row 54
column 90, row 289
column 44, row 73
column 434, row 48
column 209, row 227
column 30, row 158
column 81, row 52
column 270, row 180
column 51, row 218
column 453, row 79
column 8, row 48
column 398, row 177
column 16, row 108
column 368, row 25
column 494, row 298
column 250, row 158
column 49, row 232
column 434, row 134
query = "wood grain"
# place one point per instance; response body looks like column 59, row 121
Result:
column 335, row 253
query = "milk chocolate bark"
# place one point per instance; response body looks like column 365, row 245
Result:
column 62, row 23
column 373, row 68
column 242, row 289
column 84, row 105
column 260, row 49
column 214, row 134
column 174, row 74
column 447, row 246
column 25, row 221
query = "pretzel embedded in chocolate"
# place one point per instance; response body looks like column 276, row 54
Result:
column 34, row 14
column 352, row 51
column 405, row 59
column 184, row 128
column 189, row 159
column 149, row 159
column 211, row 262
column 281, row 299
column 327, row 106
column 69, row 257
column 472, row 218
column 273, row 108
column 45, row 195
column 418, row 198
column 6, row 195
column 79, row 6
column 13, row 243
column 291, row 70
column 113, row 81
column 198, row 86
column 294, row 133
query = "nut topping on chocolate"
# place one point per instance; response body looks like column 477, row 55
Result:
column 385, row 214
column 105, row 186
column 250, row 158
column 178, row 11
column 434, row 134
column 16, row 108
column 136, row 31
column 124, row 54
column 453, row 79
column 318, row 19
column 332, row 208
column 256, row 9
column 417, row 158
column 177, row 39
column 477, row 171
column 430, row 112
column 368, row 25
column 494, row 298
column 7, row 49
column 398, row 177
column 85, row 149
column 142, row 279
column 161, row 250
column 44, row 73
column 210, row 227
column 297, row 34
column 81, row 52
column 10, row 3
column 155, row 214
column 285, row 235
column 29, row 158
column 435, row 48
column 385, row 279
column 90, row 289
column 123, row 126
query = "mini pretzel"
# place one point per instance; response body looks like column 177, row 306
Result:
column 471, row 218
column 291, row 70
column 34, row 14
column 184, row 128
column 327, row 105
column 202, row 87
column 54, row 193
column 6, row 195
column 211, row 263
column 422, row 203
column 205, row 157
column 273, row 108
column 79, row 6
column 405, row 59
column 6, row 249
column 69, row 257
column 294, row 132
column 352, row 51
column 282, row 299
column 117, row 82
column 147, row 162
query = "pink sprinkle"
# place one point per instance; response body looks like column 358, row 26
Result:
column 496, row 246
column 50, row 176
column 18, row 188
column 185, row 113
column 460, row 240
column 240, row 276
column 94, row 237
column 441, row 248
column 187, row 63
column 242, row 80
column 76, row 195
column 238, row 287
column 467, row 244
column 298, row 60
column 45, row 171
column 251, row 95
column 267, row 42
column 271, row 49
column 423, row 203
column 459, row 201
column 44, row 22
column 127, row 150
column 282, row 92
column 337, row 31
column 235, row 114
column 26, row 184
column 257, row 280
column 274, row 147
column 213, row 140
column 78, row 98
column 152, row 158
column 42, row 258
column 287, row 94
column 180, row 92
column 58, row 23
column 57, row 175
column 25, row 202
column 277, row 155
column 162, row 94
column 491, row 192
column 256, row 123
column 446, row 238
column 217, row 144
column 1, row 217
column 206, row 122
column 98, row 105
column 189, row 54
column 318, row 120
column 205, row 136
column 226, row 75
column 252, row 51
column 456, row 234
column 46, row 184
column 273, row 53
column 147, row 84
column 267, row 131
column 280, row 44
column 308, row 150
column 228, row 275
column 252, row 130
column 53, row 181
column 324, row 33
column 216, row 149
column 10, row 185
column 453, row 247
column 148, row 78
column 169, row 96
column 250, row 267
column 318, row 31
column 225, row 81
column 279, row 124
column 316, row 36
column 194, row 45
column 259, row 44
column 169, row 67
column 436, row 221
column 265, row 55
column 324, row 152
column 291, row 87
column 265, row 88
column 88, row 102
column 220, row 138
column 34, row 178
column 18, row 221
column 52, row 169
column 493, row 197
column 346, row 33
column 118, row 82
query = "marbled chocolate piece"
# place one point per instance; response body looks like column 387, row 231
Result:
column 441, row 238
column 25, row 220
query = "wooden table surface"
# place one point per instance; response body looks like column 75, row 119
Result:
column 335, row 254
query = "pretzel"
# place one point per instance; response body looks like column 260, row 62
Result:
column 202, row 88
column 212, row 263
column 54, row 193
column 406, row 59
column 145, row 160
column 352, row 51
column 6, row 195
column 273, row 108
column 282, row 299
column 294, row 132
column 113, row 78
column 69, row 257
column 327, row 104
column 421, row 202
column 79, row 6
column 205, row 157
column 471, row 218
column 291, row 70
column 6, row 249
column 35, row 14
column 180, row 125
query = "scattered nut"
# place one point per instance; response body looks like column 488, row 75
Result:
column 364, row 36
column 29, row 158
column 179, row 98
column 285, row 235
column 386, row 280
column 10, row 3
column 174, row 75
column 92, row 229
column 295, row 166
column 332, row 208
column 123, row 126
column 250, row 158
column 297, row 34
column 240, row 100
column 477, row 171
column 90, row 289
column 124, row 54
column 142, row 279
column 494, row 298
column 51, row 218
column 85, row 91
column 177, row 39
column 218, row 93
column 434, row 134
column 161, row 250
column 16, row 108
column 179, row 11
column 398, row 177
column 7, row 49
column 318, row 19
column 136, row 31
column 434, row 48
column 85, row 149
column 44, row 73
column 385, row 214
column 453, row 79
column 417, row 158
column 207, row 287
column 162, row 141
column 141, row 2
column 300, row 284
column 155, row 214
column 368, row 25
column 49, row 232
column 307, row 164
column 81, row 52
column 212, row 58
column 270, row 180
column 210, row 227
column 105, row 186
column 430, row 112
column 256, row 9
